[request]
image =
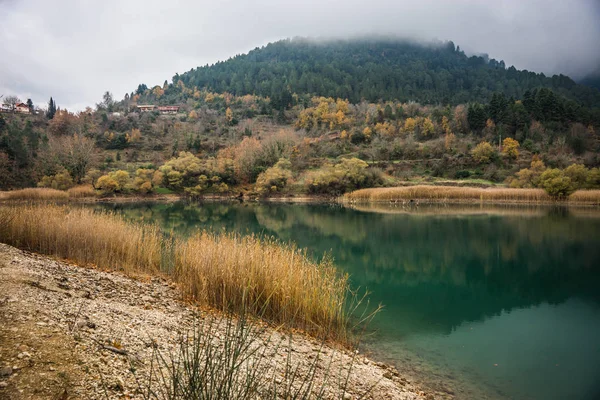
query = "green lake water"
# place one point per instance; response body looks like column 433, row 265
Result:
column 492, row 303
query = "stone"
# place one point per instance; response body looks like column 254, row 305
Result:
column 5, row 371
column 3, row 385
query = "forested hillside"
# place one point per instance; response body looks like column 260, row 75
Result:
column 299, row 117
column 376, row 70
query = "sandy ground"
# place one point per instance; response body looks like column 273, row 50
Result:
column 68, row 332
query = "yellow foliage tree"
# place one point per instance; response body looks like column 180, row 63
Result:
column 510, row 148
column 483, row 152
column 229, row 115
column 409, row 125
column 427, row 127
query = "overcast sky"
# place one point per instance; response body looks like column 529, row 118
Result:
column 74, row 50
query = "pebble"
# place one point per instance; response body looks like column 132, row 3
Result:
column 23, row 355
column 6, row 371
column 3, row 384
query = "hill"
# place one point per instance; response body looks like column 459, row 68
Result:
column 374, row 70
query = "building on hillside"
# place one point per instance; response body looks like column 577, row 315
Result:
column 18, row 108
column 146, row 107
column 22, row 108
column 168, row 109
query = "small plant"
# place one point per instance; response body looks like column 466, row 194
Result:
column 232, row 357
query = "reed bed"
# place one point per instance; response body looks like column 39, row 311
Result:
column 275, row 281
column 35, row 194
column 447, row 194
column 81, row 191
column 586, row 196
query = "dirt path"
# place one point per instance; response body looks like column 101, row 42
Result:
column 65, row 330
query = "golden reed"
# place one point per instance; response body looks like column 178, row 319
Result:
column 273, row 280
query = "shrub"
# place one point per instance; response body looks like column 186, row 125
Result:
column 349, row 174
column 483, row 153
column 116, row 181
column 556, row 183
column 275, row 178
column 593, row 179
column 142, row 182
column 59, row 181
column 578, row 174
column 529, row 177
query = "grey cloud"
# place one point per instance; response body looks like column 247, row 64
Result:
column 76, row 50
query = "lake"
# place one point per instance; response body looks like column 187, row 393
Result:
column 480, row 303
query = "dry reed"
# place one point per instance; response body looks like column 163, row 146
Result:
column 273, row 280
column 448, row 194
column 81, row 191
column 586, row 196
column 35, row 194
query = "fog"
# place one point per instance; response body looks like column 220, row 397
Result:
column 76, row 50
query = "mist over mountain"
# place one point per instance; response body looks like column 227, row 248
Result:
column 375, row 69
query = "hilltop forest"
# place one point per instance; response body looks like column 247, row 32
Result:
column 299, row 116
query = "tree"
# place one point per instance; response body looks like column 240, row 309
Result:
column 510, row 148
column 12, row 101
column 556, row 183
column 107, row 102
column 275, row 178
column 476, row 117
column 30, row 105
column 483, row 152
column 51, row 109
column 578, row 174
column 76, row 153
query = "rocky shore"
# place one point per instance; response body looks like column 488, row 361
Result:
column 69, row 332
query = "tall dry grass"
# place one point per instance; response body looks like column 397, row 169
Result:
column 47, row 194
column 81, row 191
column 34, row 194
column 586, row 196
column 448, row 194
column 273, row 280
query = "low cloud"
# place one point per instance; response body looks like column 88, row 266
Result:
column 76, row 50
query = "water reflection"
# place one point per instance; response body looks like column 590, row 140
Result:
column 441, row 271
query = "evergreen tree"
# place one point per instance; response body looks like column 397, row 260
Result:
column 51, row 109
column 30, row 105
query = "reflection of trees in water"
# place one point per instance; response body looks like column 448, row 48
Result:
column 436, row 271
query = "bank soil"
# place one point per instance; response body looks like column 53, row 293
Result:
column 69, row 332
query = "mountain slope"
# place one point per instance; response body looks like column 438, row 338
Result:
column 376, row 69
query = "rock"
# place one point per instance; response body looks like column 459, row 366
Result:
column 3, row 385
column 5, row 371
column 347, row 396
column 23, row 355
column 388, row 375
column 119, row 384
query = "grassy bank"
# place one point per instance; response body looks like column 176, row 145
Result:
column 466, row 194
column 230, row 272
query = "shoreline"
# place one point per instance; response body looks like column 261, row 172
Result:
column 58, row 314
column 398, row 195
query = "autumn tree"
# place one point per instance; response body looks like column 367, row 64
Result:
column 483, row 152
column 274, row 179
column 556, row 183
column 529, row 177
column 510, row 148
